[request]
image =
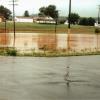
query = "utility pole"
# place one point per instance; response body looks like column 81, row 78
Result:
column 98, row 22
column 5, row 31
column 56, row 20
column 69, row 22
column 56, row 23
column 68, row 45
column 14, row 21
column 14, row 26
column 5, row 25
column 99, row 15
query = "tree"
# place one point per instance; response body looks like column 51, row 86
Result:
column 83, row 21
column 5, row 12
column 91, row 21
column 42, row 11
column 49, row 11
column 87, row 21
column 26, row 14
column 74, row 18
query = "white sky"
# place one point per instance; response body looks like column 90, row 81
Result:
column 82, row 7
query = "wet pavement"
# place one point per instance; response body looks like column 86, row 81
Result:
column 34, row 78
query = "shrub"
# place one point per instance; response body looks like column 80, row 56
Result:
column 87, row 21
column 62, row 21
column 97, row 30
column 11, row 52
column 2, row 51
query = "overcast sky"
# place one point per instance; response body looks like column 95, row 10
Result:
column 82, row 7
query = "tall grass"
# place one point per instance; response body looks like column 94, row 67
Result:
column 11, row 52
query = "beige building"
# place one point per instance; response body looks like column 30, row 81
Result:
column 44, row 20
column 1, row 18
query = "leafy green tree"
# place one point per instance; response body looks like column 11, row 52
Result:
column 49, row 11
column 91, row 21
column 87, row 21
column 83, row 21
column 26, row 14
column 42, row 11
column 74, row 18
column 5, row 12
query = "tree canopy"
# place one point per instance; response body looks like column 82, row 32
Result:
column 26, row 13
column 87, row 21
column 5, row 12
column 49, row 11
column 91, row 21
column 74, row 18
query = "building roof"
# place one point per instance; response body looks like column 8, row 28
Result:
column 45, row 18
column 24, row 17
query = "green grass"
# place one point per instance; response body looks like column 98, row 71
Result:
column 50, row 28
column 15, row 52
column 27, row 26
